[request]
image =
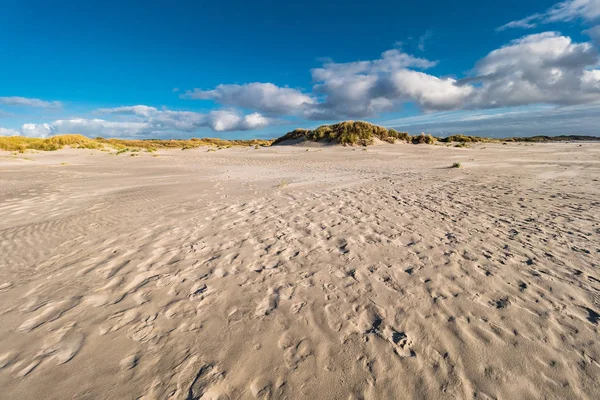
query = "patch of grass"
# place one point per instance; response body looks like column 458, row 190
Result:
column 125, row 150
column 21, row 144
column 423, row 139
column 461, row 145
column 456, row 165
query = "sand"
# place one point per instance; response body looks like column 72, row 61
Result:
column 282, row 273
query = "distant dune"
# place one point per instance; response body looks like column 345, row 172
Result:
column 365, row 134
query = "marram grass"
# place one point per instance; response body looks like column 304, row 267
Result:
column 22, row 144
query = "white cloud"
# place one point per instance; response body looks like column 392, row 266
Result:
column 99, row 127
column 141, row 110
column 569, row 10
column 264, row 97
column 364, row 88
column 37, row 130
column 423, row 39
column 27, row 102
column 8, row 132
column 540, row 68
column 189, row 121
column 221, row 120
column 88, row 127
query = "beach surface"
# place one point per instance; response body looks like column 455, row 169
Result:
column 293, row 272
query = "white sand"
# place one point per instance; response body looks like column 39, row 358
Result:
column 279, row 273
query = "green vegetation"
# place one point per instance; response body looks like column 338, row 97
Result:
column 364, row 134
column 456, row 165
column 346, row 133
column 423, row 139
column 21, row 144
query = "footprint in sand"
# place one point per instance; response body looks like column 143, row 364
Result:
column 268, row 304
column 64, row 346
column 129, row 362
column 260, row 388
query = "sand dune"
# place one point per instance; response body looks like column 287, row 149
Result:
column 282, row 273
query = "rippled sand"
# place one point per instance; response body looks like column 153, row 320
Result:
column 282, row 273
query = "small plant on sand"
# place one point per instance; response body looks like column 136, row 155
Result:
column 456, row 165
column 461, row 145
column 125, row 150
column 282, row 184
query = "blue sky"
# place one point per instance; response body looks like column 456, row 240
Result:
column 240, row 69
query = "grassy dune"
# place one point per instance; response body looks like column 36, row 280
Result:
column 351, row 133
column 22, row 144
column 364, row 134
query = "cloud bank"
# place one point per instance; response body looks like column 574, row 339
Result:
column 540, row 68
column 147, row 122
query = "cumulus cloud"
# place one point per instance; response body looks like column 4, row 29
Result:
column 364, row 88
column 569, row 10
column 37, row 130
column 8, row 132
column 222, row 120
column 540, row 68
column 27, row 102
column 189, row 121
column 264, row 97
column 145, row 121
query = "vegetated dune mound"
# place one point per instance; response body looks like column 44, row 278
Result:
column 365, row 134
column 350, row 133
column 76, row 141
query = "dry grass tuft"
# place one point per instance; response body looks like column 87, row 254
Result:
column 423, row 139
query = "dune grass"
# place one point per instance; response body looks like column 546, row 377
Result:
column 345, row 133
column 21, row 144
